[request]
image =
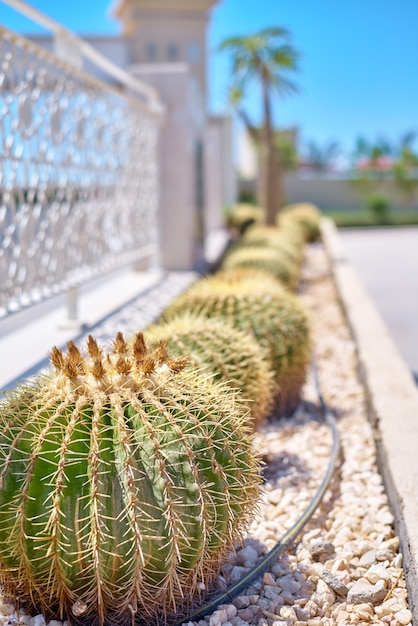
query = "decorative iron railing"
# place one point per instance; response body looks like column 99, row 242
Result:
column 78, row 173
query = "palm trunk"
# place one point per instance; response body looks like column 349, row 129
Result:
column 272, row 185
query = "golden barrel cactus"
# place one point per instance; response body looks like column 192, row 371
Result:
column 270, row 260
column 276, row 317
column 124, row 480
column 304, row 216
column 230, row 355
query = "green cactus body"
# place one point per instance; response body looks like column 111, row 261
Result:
column 305, row 216
column 230, row 355
column 123, row 482
column 275, row 316
column 243, row 214
column 242, row 274
column 268, row 259
column 273, row 237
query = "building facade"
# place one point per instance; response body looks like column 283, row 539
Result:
column 164, row 43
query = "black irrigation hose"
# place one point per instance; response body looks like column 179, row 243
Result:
column 289, row 537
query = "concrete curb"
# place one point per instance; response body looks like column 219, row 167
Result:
column 393, row 405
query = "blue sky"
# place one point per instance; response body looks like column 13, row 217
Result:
column 357, row 68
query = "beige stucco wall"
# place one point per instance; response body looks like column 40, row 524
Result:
column 180, row 217
column 187, row 35
column 161, row 31
column 331, row 193
column 220, row 177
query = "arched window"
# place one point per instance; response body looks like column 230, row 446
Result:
column 172, row 52
column 151, row 51
column 193, row 52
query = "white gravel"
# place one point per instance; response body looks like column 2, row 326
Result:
column 346, row 569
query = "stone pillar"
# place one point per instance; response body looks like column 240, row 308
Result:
column 181, row 215
column 220, row 171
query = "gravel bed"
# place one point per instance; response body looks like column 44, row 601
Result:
column 346, row 568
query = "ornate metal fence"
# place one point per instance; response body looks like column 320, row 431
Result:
column 78, row 175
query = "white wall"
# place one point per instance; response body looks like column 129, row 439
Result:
column 180, row 217
column 330, row 194
column 220, row 177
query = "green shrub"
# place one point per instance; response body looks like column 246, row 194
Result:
column 378, row 206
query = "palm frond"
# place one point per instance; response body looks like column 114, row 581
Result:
column 274, row 33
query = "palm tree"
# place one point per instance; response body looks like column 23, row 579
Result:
column 320, row 158
column 265, row 58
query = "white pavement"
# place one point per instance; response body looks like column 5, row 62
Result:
column 386, row 260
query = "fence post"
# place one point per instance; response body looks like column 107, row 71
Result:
column 68, row 48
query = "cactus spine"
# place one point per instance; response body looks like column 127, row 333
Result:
column 124, row 481
column 229, row 354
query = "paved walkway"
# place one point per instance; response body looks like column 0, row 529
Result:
column 386, row 260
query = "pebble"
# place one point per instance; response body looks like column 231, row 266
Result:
column 404, row 616
column 242, row 602
column 246, row 614
column 269, row 580
column 272, row 593
column 288, row 613
column 247, row 556
column 324, row 592
column 363, row 592
column 368, row 558
column 332, row 581
column 384, row 555
column 321, row 550
column 364, row 611
column 217, row 618
column 230, row 610
column 288, row 585
column 237, row 573
column 376, row 573
column 312, row 607
column 302, row 614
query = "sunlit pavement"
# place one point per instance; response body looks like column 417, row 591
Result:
column 386, row 260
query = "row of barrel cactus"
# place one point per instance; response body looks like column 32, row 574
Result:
column 254, row 292
column 127, row 474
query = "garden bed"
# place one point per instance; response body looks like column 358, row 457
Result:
column 347, row 568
